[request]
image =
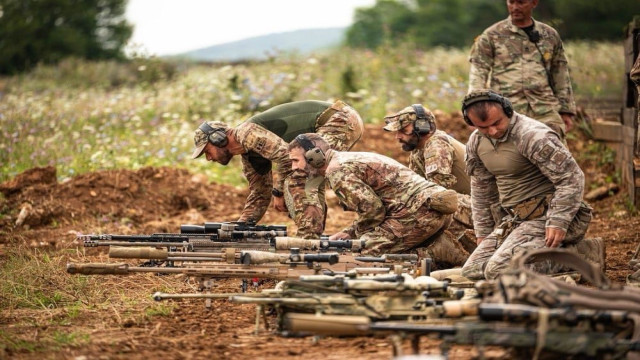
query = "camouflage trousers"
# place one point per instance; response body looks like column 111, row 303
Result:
column 404, row 231
column 305, row 196
column 552, row 119
column 492, row 256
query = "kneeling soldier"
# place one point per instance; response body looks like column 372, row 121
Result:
column 398, row 211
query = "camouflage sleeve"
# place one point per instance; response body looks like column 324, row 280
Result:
column 481, row 59
column 270, row 146
column 355, row 195
column 438, row 163
column 484, row 190
column 556, row 163
column 259, row 193
column 562, row 80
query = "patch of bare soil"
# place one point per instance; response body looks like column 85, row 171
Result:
column 37, row 212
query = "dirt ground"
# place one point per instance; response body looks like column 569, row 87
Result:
column 150, row 200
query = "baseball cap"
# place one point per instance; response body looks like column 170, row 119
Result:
column 403, row 118
column 200, row 138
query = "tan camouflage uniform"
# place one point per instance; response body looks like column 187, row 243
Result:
column 528, row 162
column 504, row 57
column 439, row 160
column 390, row 199
column 342, row 130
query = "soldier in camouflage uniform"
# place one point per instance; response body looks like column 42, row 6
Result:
column 526, row 188
column 435, row 155
column 524, row 60
column 262, row 140
column 398, row 210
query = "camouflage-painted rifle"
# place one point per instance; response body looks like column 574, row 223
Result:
column 531, row 330
column 377, row 297
column 213, row 236
column 253, row 257
column 254, row 264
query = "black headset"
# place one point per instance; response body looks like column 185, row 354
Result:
column 422, row 125
column 313, row 155
column 488, row 95
column 217, row 137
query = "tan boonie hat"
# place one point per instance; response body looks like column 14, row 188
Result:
column 405, row 117
column 200, row 139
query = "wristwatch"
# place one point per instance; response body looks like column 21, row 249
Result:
column 277, row 193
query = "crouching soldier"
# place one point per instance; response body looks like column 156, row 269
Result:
column 262, row 141
column 398, row 211
column 437, row 157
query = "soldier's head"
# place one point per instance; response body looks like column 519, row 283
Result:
column 411, row 124
column 307, row 152
column 488, row 111
column 211, row 139
column 521, row 10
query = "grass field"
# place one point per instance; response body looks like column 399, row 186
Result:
column 84, row 117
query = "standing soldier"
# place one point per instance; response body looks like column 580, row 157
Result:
column 524, row 60
column 262, row 140
column 437, row 157
column 398, row 210
column 526, row 188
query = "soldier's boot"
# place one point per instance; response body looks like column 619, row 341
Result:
column 446, row 252
column 592, row 250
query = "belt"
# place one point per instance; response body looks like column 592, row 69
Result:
column 328, row 113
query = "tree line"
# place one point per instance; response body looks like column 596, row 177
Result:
column 47, row 31
column 455, row 23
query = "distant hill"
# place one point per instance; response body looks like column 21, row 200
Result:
column 303, row 41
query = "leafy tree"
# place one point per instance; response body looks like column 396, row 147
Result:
column 46, row 31
column 594, row 20
column 372, row 26
column 456, row 23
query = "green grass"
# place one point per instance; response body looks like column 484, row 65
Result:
column 82, row 117
column 159, row 310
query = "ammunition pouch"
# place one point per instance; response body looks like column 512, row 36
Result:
column 445, row 202
column 531, row 208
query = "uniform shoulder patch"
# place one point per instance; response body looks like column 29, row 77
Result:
column 430, row 154
column 559, row 158
column 546, row 151
column 430, row 169
column 260, row 145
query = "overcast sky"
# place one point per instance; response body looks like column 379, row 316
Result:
column 165, row 27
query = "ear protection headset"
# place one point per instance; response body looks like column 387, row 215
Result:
column 422, row 125
column 486, row 96
column 313, row 155
column 217, row 137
